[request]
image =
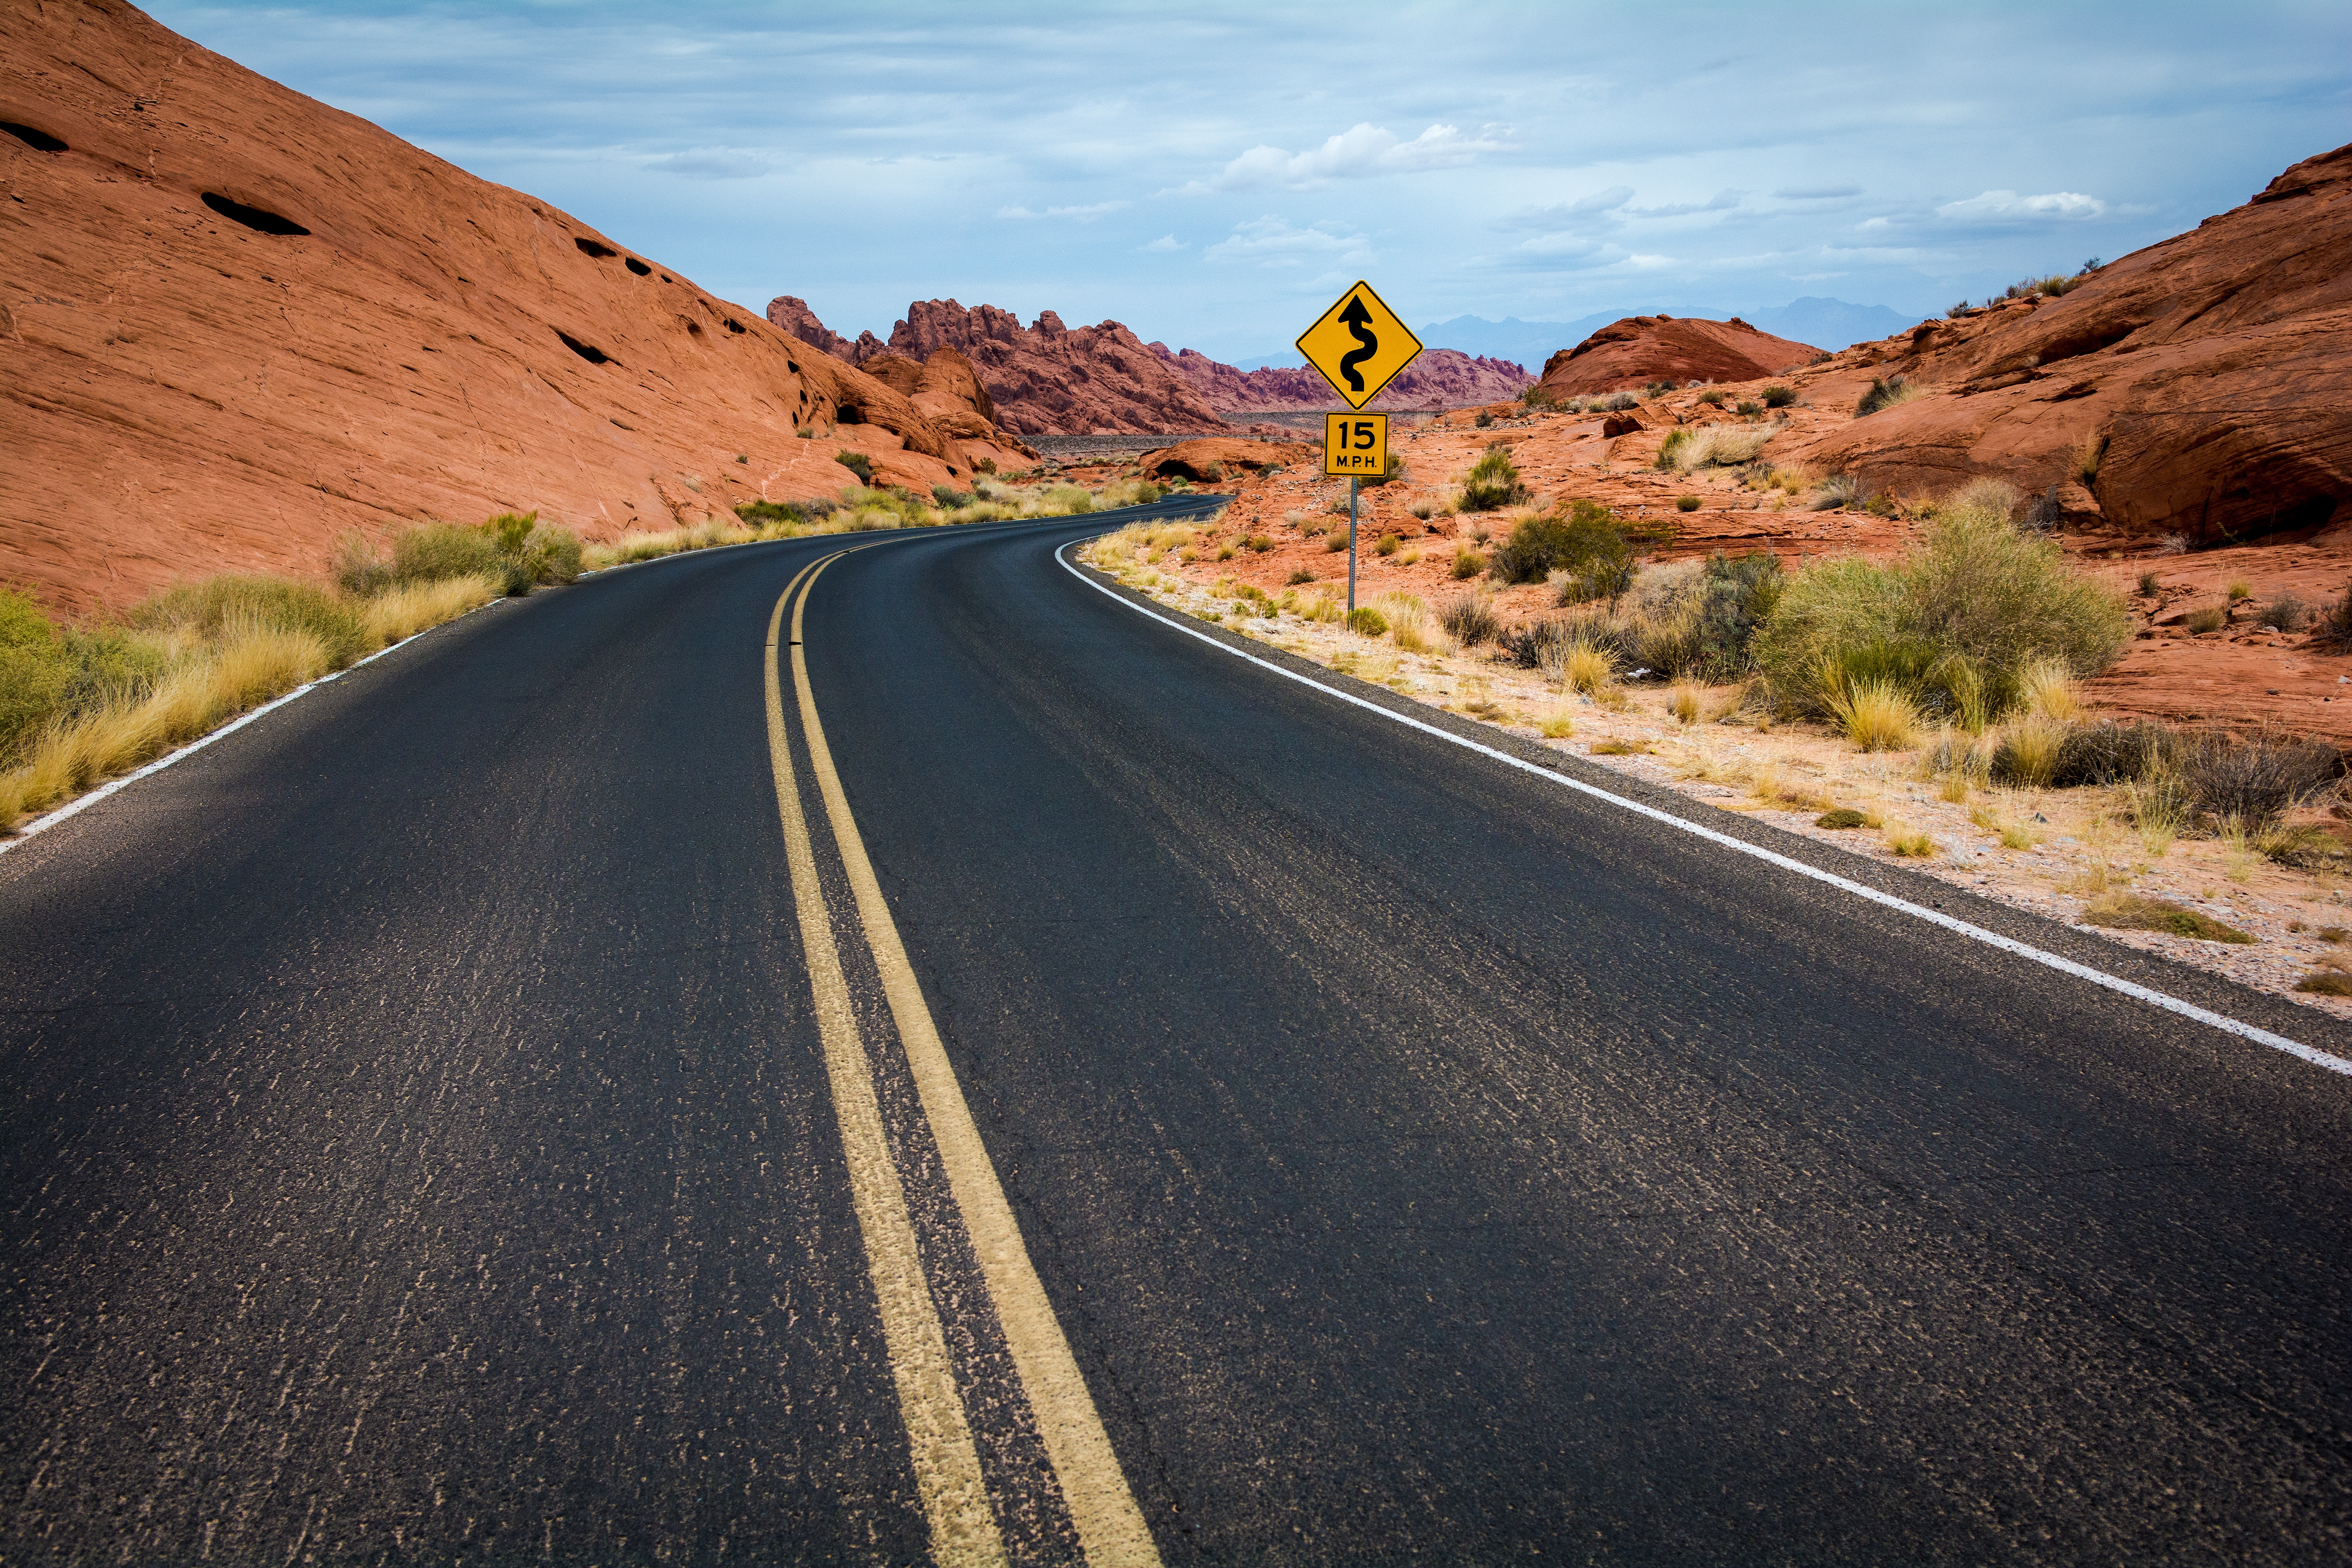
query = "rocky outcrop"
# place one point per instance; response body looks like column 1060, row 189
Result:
column 1633, row 353
column 1046, row 379
column 1437, row 378
column 1215, row 457
column 2199, row 387
column 237, row 323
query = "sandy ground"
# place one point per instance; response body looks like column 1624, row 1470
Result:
column 2065, row 848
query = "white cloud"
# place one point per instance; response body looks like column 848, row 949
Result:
column 1165, row 242
column 714, row 164
column 1270, row 241
column 1595, row 211
column 1086, row 213
column 1816, row 192
column 1722, row 201
column 2008, row 207
column 1361, row 153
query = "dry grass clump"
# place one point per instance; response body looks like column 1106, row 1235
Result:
column 2027, row 753
column 399, row 614
column 1888, row 392
column 1875, row 715
column 1408, row 621
column 1911, row 843
column 1682, row 702
column 1578, row 665
column 1470, row 619
column 1712, row 446
column 2132, row 911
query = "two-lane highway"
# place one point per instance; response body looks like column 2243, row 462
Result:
column 424, row 1137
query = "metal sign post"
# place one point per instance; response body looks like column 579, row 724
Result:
column 1352, row 483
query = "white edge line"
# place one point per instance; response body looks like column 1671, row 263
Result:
column 2311, row 1054
column 83, row 802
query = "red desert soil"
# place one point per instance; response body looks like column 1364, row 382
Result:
column 1044, row 380
column 238, row 322
column 2241, row 359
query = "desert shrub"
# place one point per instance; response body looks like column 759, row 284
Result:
column 857, row 463
column 1387, row 545
column 1713, row 397
column 434, row 551
column 1483, row 419
column 1749, row 408
column 2133, row 912
column 1585, row 540
column 1493, row 482
column 1686, row 503
column 1300, row 575
column 1467, row 563
column 2284, row 613
column 1367, row 622
column 2027, row 754
column 2334, row 632
column 1408, row 619
column 1390, row 475
column 949, row 497
column 1469, row 620
column 1778, row 396
column 2149, row 583
column 1672, row 644
column 1837, row 490
column 2042, row 515
column 1968, row 610
column 2211, row 619
column 1887, row 392
column 1258, row 543
column 218, row 606
column 1875, row 715
column 1657, row 389
column 2255, row 780
column 2111, row 753
column 1616, row 403
column 1736, row 597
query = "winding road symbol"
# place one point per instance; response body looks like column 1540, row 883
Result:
column 1359, row 345
column 1359, row 321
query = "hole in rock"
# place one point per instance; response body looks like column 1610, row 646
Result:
column 39, row 141
column 594, row 249
column 848, row 416
column 259, row 219
column 733, row 325
column 636, row 266
column 588, row 352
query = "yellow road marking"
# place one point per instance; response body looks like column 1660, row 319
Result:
column 946, row 1462
column 1110, row 1528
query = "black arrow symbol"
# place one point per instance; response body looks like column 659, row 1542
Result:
column 1359, row 321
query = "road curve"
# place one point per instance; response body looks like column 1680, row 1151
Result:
column 419, row 1143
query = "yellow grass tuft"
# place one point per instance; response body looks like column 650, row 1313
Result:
column 2051, row 691
column 1876, row 716
column 402, row 611
column 1684, row 704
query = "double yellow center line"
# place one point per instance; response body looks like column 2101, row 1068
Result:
column 947, row 1467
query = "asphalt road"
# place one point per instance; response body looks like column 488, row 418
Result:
column 418, row 1142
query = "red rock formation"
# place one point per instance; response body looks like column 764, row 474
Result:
column 1438, row 378
column 1215, row 457
column 238, row 322
column 2209, row 376
column 795, row 317
column 1042, row 380
column 1639, row 350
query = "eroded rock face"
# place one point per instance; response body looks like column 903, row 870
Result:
column 1437, row 378
column 241, row 322
column 1631, row 353
column 1044, row 380
column 2202, row 384
column 1215, row 457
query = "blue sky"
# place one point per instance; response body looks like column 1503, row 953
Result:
column 1212, row 175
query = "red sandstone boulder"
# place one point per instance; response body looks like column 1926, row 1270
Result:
column 2201, row 384
column 1639, row 350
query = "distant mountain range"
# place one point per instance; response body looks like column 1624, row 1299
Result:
column 1824, row 323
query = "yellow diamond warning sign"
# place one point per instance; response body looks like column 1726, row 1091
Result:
column 1356, row 444
column 1359, row 345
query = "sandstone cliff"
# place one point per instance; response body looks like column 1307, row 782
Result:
column 1629, row 355
column 1438, row 378
column 236, row 322
column 1044, row 380
column 2199, row 387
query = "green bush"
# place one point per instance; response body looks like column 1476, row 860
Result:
column 857, row 463
column 1686, row 503
column 1587, row 541
column 949, row 496
column 1736, row 597
column 1493, row 482
column 49, row 673
column 1367, row 621
column 1957, row 621
column 206, row 608
column 1884, row 392
column 1779, row 396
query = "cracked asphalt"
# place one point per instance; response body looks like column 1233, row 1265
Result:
column 416, row 1144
